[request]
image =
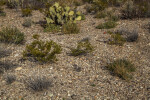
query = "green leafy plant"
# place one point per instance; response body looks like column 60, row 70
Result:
column 60, row 15
column 26, row 12
column 122, row 68
column 70, row 28
column 107, row 25
column 11, row 35
column 42, row 51
column 83, row 47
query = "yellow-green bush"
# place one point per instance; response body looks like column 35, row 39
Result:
column 42, row 51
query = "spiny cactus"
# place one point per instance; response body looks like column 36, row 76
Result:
column 61, row 15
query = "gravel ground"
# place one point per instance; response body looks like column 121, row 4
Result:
column 83, row 77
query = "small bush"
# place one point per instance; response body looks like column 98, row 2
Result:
column 52, row 28
column 100, row 14
column 42, row 51
column 10, row 78
column 70, row 28
column 11, row 35
column 6, row 65
column 26, row 12
column 135, row 9
column 2, row 2
column 130, row 35
column 36, row 36
column 27, row 23
column 12, row 4
column 2, row 13
column 122, row 68
column 117, row 39
column 107, row 25
column 38, row 83
column 83, row 47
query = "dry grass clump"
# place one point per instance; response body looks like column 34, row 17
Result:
column 11, row 35
column 70, row 28
column 83, row 48
column 122, row 68
column 38, row 83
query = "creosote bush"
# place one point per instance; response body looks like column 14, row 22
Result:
column 70, row 28
column 11, row 35
column 122, row 68
column 38, row 83
column 83, row 48
column 42, row 51
column 107, row 25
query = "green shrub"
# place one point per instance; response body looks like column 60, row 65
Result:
column 27, row 23
column 117, row 39
column 52, row 28
column 70, row 28
column 42, row 51
column 107, row 25
column 11, row 35
column 122, row 68
column 26, row 12
column 83, row 47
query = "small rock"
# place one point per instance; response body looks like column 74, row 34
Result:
column 19, row 68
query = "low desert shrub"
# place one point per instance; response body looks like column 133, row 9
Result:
column 2, row 2
column 12, row 4
column 38, row 83
column 70, row 28
column 26, row 12
column 27, row 23
column 9, row 78
column 107, row 25
column 42, row 51
column 2, row 13
column 116, row 39
column 83, row 48
column 11, row 35
column 135, row 9
column 122, row 68
column 100, row 14
column 52, row 28
column 6, row 65
column 129, row 35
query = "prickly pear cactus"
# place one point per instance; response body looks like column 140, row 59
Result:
column 61, row 15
